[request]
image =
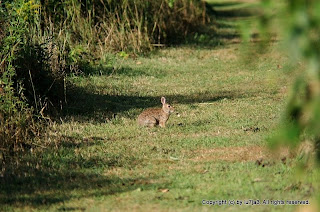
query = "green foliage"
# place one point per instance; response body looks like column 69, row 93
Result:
column 171, row 3
column 297, row 24
column 302, row 27
column 16, row 123
column 28, row 84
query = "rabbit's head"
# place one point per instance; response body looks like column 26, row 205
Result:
column 166, row 107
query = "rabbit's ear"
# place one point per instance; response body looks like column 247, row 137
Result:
column 163, row 100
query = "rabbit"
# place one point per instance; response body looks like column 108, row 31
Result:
column 156, row 116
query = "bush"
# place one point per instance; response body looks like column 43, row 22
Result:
column 28, row 83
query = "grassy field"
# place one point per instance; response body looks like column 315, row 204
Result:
column 228, row 102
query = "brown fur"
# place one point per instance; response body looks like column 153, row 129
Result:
column 156, row 116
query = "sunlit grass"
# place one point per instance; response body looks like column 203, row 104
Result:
column 96, row 158
column 105, row 161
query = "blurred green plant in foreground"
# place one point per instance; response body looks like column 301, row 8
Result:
column 303, row 112
column 299, row 23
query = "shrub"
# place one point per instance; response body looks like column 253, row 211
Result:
column 28, row 83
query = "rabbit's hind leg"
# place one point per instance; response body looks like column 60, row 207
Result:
column 152, row 122
column 148, row 122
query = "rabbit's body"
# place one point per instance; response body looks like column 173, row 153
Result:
column 156, row 116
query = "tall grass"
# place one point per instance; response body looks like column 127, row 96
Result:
column 121, row 25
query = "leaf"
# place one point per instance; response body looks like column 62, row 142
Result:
column 171, row 3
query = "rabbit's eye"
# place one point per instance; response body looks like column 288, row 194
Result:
column 169, row 106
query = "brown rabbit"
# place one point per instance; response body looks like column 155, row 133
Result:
column 156, row 116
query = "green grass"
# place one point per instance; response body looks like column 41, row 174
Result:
column 98, row 159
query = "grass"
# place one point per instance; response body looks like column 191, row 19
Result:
column 97, row 158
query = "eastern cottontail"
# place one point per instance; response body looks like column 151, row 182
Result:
column 156, row 116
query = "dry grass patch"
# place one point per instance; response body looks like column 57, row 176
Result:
column 227, row 54
column 232, row 154
column 237, row 154
column 260, row 154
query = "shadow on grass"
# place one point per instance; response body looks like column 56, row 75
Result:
column 236, row 13
column 90, row 70
column 224, row 4
column 61, row 173
column 84, row 105
column 224, row 28
column 47, row 187
column 232, row 9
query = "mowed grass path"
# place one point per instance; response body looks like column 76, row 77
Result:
column 100, row 160
column 227, row 109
